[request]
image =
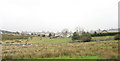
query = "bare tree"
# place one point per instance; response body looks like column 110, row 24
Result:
column 79, row 30
column 65, row 32
column 99, row 31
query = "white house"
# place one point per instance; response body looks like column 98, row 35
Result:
column 112, row 30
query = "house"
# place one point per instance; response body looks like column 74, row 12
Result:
column 111, row 30
column 8, row 32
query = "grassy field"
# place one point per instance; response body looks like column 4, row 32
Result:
column 48, row 40
column 78, row 57
column 53, row 40
column 60, row 48
column 88, row 50
column 102, row 37
column 39, row 40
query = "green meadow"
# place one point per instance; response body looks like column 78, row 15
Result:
column 60, row 48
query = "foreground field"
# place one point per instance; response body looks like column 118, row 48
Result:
column 87, row 50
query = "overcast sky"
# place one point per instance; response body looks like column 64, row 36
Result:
column 55, row 15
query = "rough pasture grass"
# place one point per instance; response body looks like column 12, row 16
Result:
column 79, row 57
column 63, row 40
column 108, row 50
column 54, row 40
column 39, row 40
column 48, row 40
column 102, row 37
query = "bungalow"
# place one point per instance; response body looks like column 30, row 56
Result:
column 112, row 30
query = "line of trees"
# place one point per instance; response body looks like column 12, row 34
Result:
column 104, row 34
column 86, row 37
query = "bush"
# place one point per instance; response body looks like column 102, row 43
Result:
column 75, row 36
column 49, row 35
column 43, row 35
column 86, row 37
column 117, row 37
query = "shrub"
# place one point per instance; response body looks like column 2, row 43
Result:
column 49, row 35
column 86, row 37
column 43, row 35
column 75, row 36
column 117, row 37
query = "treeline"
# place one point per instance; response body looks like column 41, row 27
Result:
column 105, row 34
column 12, row 37
column 86, row 37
